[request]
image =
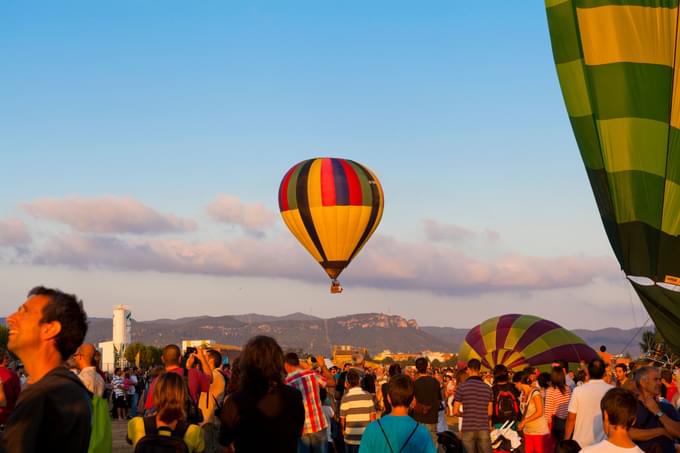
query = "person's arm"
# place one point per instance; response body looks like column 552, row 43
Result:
column 490, row 413
column 569, row 425
column 671, row 425
column 325, row 372
column 205, row 365
column 641, row 435
column 538, row 413
column 456, row 409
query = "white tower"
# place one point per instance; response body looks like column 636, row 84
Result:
column 122, row 326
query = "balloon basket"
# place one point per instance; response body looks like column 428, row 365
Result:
column 335, row 287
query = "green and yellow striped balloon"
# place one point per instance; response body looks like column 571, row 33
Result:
column 616, row 63
column 518, row 341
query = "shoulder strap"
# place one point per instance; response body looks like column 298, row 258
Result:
column 389, row 445
column 150, row 425
column 180, row 429
column 408, row 439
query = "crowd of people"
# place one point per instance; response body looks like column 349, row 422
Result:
column 270, row 401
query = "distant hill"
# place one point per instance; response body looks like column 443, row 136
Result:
column 375, row 331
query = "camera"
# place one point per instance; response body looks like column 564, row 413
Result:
column 190, row 350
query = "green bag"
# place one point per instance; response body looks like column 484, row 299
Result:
column 101, row 440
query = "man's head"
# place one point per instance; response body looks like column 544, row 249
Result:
column 48, row 319
column 474, row 366
column 291, row 362
column 84, row 356
column 596, row 368
column 171, row 356
column 603, row 348
column 400, row 391
column 618, row 408
column 648, row 380
column 353, row 378
column 500, row 374
column 421, row 365
column 620, row 370
column 214, row 358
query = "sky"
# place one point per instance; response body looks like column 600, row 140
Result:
column 142, row 145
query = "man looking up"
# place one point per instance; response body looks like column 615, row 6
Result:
column 84, row 358
column 54, row 410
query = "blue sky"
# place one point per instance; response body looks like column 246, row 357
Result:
column 160, row 109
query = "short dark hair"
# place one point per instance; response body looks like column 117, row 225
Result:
column 623, row 366
column 567, row 446
column 500, row 373
column 68, row 310
column 421, row 364
column 292, row 359
column 171, row 355
column 523, row 377
column 215, row 356
column 596, row 368
column 353, row 378
column 394, row 369
column 474, row 364
column 620, row 405
column 667, row 375
column 400, row 389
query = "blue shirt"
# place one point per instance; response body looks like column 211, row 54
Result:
column 644, row 419
column 397, row 429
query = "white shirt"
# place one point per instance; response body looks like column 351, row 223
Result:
column 92, row 380
column 208, row 401
column 133, row 382
column 607, row 447
column 585, row 403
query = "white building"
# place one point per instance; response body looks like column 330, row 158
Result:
column 122, row 336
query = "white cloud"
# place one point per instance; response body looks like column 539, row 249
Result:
column 385, row 263
column 14, row 233
column 106, row 215
column 253, row 218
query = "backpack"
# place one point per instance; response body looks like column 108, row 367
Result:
column 100, row 437
column 506, row 407
column 155, row 442
column 194, row 413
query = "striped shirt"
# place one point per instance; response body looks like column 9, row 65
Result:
column 308, row 383
column 357, row 408
column 556, row 403
column 117, row 383
column 476, row 396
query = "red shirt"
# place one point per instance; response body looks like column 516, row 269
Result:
column 12, row 387
column 198, row 382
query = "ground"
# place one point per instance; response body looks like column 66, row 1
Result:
column 119, row 434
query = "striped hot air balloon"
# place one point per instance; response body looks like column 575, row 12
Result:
column 518, row 341
column 332, row 206
column 617, row 62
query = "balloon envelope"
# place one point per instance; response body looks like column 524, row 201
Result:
column 332, row 206
column 616, row 63
column 518, row 341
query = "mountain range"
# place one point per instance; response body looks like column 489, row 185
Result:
column 375, row 331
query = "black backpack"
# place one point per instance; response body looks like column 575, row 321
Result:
column 194, row 413
column 155, row 442
column 506, row 406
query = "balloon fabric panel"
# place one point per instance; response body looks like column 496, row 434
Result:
column 615, row 62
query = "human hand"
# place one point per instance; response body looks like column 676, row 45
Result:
column 651, row 404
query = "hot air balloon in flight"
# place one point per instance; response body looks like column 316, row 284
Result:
column 616, row 62
column 518, row 341
column 332, row 206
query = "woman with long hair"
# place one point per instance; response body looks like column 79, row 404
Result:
column 169, row 395
column 557, row 398
column 533, row 424
column 264, row 414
